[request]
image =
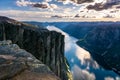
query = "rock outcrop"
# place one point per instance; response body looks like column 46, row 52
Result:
column 17, row 64
column 104, row 45
column 47, row 46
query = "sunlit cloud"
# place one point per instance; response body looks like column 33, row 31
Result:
column 47, row 0
column 23, row 3
column 85, row 58
column 26, row 15
column 54, row 6
column 109, row 78
column 80, row 74
column 43, row 5
column 86, row 9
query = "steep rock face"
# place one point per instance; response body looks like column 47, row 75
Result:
column 104, row 45
column 47, row 46
column 17, row 64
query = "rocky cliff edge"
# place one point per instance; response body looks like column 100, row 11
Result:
column 17, row 64
column 47, row 46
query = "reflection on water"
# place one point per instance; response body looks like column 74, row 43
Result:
column 83, row 67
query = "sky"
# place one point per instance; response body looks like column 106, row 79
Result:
column 61, row 10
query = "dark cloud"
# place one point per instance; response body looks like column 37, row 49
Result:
column 99, row 6
column 114, row 11
column 81, row 11
column 80, row 74
column 77, row 15
column 118, row 7
column 78, row 1
column 102, row 6
column 83, row 1
column 38, row 5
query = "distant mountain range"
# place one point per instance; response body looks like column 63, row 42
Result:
column 76, row 29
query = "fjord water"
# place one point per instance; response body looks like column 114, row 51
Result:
column 83, row 66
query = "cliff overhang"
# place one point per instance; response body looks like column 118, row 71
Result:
column 45, row 45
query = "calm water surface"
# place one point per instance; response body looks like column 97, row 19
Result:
column 82, row 66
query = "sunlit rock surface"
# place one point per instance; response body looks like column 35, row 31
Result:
column 17, row 64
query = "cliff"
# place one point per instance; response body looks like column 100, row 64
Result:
column 17, row 64
column 104, row 45
column 47, row 46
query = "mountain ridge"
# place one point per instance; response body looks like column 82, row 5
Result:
column 103, row 44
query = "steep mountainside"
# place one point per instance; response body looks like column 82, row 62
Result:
column 47, row 46
column 104, row 45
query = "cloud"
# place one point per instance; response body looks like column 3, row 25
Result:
column 98, row 6
column 39, row 5
column 109, row 78
column 114, row 11
column 117, row 78
column 76, row 1
column 67, row 10
column 23, row 3
column 27, row 15
column 80, row 74
column 108, row 16
column 87, row 9
column 106, row 4
column 117, row 7
column 45, row 15
column 47, row 0
column 42, row 5
column 54, row 6
column 85, row 58
column 45, row 5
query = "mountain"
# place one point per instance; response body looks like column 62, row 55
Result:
column 89, row 62
column 77, row 29
column 103, row 43
column 45, row 45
